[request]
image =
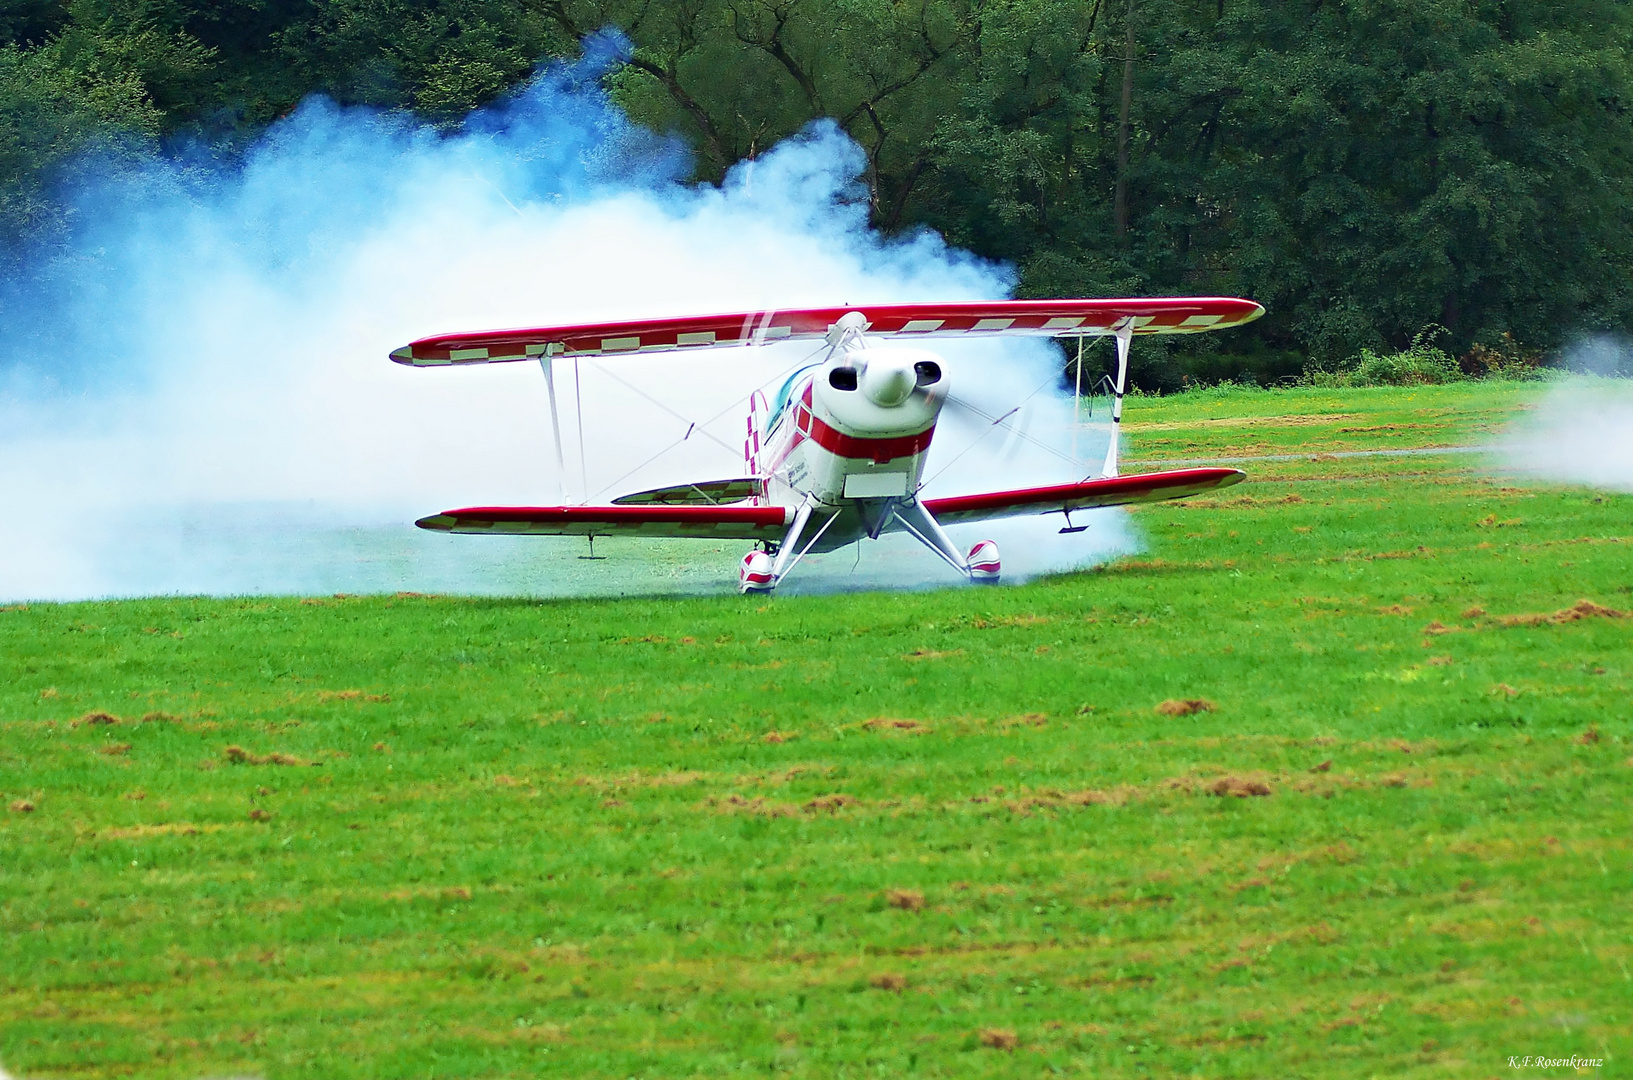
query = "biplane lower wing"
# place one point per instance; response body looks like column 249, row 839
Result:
column 697, row 522
column 1088, row 495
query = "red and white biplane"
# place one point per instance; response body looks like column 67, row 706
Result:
column 838, row 455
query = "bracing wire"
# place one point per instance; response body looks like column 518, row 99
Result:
column 735, row 403
column 995, row 422
column 691, row 425
column 1003, row 420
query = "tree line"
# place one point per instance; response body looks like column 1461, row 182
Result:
column 1364, row 168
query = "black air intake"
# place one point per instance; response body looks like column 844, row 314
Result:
column 843, row 378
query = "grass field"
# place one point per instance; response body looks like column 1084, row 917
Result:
column 943, row 833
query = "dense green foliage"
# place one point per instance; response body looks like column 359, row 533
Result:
column 48, row 114
column 1362, row 167
column 942, row 834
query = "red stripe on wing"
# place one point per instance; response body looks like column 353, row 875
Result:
column 1153, row 315
column 723, row 522
column 1113, row 491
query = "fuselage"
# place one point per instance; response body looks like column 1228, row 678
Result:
column 850, row 437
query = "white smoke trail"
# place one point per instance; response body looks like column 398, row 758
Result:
column 1581, row 432
column 197, row 397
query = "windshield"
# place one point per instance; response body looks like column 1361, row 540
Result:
column 780, row 404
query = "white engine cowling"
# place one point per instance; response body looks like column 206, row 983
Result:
column 754, row 573
column 984, row 563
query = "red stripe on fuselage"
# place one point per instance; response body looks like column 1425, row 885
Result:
column 807, row 425
column 876, row 450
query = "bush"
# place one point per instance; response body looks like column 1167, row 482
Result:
column 1506, row 359
column 1416, row 366
column 1420, row 364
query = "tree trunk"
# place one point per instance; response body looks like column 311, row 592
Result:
column 1119, row 207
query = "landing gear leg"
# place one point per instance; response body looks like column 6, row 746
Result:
column 924, row 528
column 759, row 572
column 980, row 565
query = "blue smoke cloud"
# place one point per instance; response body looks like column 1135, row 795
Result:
column 317, row 184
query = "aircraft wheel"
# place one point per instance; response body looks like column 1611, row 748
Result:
column 984, row 563
column 754, row 573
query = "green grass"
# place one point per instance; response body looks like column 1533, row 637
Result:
column 669, row 837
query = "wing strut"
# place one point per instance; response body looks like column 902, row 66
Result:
column 1077, row 400
column 1125, row 334
column 555, row 426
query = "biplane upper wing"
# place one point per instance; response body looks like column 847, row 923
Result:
column 700, row 522
column 1042, row 318
column 1110, row 491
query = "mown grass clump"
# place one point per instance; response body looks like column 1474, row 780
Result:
column 948, row 833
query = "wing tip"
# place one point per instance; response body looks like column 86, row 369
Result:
column 438, row 522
